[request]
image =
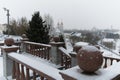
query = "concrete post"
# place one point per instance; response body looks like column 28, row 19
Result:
column 73, row 59
column 7, row 62
column 55, row 56
column 23, row 46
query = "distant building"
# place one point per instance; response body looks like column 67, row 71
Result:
column 2, row 28
column 60, row 27
column 110, row 43
column 112, row 35
column 75, row 37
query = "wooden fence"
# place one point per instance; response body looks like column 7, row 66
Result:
column 37, row 49
column 66, row 59
column 25, row 68
column 108, row 61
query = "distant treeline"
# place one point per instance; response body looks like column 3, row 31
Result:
column 78, row 31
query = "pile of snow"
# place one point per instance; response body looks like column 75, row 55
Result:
column 2, row 78
column 81, row 44
column 108, row 40
column 90, row 48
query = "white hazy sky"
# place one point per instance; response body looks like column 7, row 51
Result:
column 78, row 14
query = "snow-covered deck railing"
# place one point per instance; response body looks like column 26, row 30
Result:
column 110, row 73
column 22, row 65
column 46, row 45
column 108, row 61
column 37, row 49
column 65, row 58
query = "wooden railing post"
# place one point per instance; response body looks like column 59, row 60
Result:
column 22, row 73
column 7, row 62
column 73, row 59
column 14, row 70
column 34, row 75
column 17, row 71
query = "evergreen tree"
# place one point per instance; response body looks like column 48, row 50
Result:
column 37, row 32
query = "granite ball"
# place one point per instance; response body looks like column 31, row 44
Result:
column 9, row 41
column 89, row 59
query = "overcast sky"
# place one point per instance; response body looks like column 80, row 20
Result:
column 78, row 14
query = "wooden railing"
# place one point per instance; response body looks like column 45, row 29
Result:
column 108, row 61
column 37, row 49
column 25, row 68
column 65, row 58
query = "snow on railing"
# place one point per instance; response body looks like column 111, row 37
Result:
column 34, row 43
column 65, row 58
column 23, row 66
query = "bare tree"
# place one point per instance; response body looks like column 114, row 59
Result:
column 49, row 22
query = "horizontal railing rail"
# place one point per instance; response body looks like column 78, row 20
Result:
column 16, row 43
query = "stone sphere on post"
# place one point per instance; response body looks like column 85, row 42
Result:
column 56, row 39
column 9, row 41
column 24, row 37
column 89, row 59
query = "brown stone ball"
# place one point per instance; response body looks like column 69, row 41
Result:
column 24, row 36
column 89, row 59
column 9, row 41
column 56, row 39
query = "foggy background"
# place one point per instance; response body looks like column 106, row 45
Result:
column 75, row 14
